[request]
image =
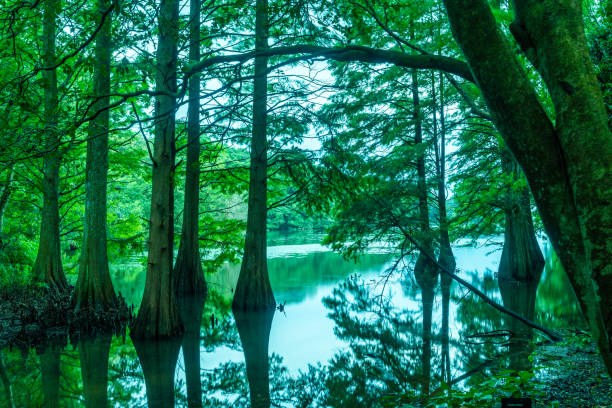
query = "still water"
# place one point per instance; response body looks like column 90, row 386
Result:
column 349, row 334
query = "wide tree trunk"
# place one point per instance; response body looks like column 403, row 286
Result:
column 254, row 331
column 522, row 258
column 253, row 290
column 189, row 277
column 567, row 165
column 94, row 288
column 48, row 265
column 158, row 315
column 158, row 361
column 190, row 308
column 94, row 370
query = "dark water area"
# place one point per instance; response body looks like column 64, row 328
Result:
column 350, row 334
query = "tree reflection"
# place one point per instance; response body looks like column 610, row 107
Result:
column 94, row 370
column 254, row 331
column 158, row 360
column 190, row 309
column 50, row 373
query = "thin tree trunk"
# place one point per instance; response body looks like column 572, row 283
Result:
column 94, row 370
column 94, row 288
column 48, row 265
column 522, row 258
column 158, row 315
column 4, row 199
column 253, row 290
column 254, row 331
column 425, row 272
column 189, row 277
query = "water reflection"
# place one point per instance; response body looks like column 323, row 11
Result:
column 158, row 361
column 343, row 342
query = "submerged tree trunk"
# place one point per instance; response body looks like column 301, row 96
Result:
column 158, row 315
column 48, row 265
column 94, row 288
column 158, row 361
column 253, row 290
column 190, row 308
column 522, row 258
column 566, row 164
column 94, row 370
column 189, row 277
column 254, row 331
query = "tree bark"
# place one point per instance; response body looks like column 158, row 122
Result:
column 48, row 265
column 188, row 273
column 253, row 290
column 254, row 331
column 94, row 370
column 559, row 170
column 158, row 315
column 522, row 258
column 94, row 288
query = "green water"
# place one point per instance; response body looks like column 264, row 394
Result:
column 350, row 335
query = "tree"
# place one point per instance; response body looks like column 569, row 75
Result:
column 566, row 163
column 48, row 265
column 94, row 288
column 189, row 277
column 158, row 314
column 253, row 290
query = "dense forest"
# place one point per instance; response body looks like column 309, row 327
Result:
column 155, row 157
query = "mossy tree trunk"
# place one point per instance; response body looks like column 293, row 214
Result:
column 94, row 288
column 566, row 164
column 93, row 354
column 521, row 258
column 254, row 331
column 48, row 265
column 253, row 290
column 189, row 277
column 158, row 315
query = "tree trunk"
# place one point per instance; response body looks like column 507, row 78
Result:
column 48, row 265
column 254, row 331
column 425, row 272
column 94, row 370
column 94, row 288
column 253, row 290
column 50, row 374
column 4, row 198
column 158, row 315
column 522, row 258
column 567, row 167
column 191, row 308
column 158, row 361
column 189, row 277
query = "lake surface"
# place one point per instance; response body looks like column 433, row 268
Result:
column 350, row 334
